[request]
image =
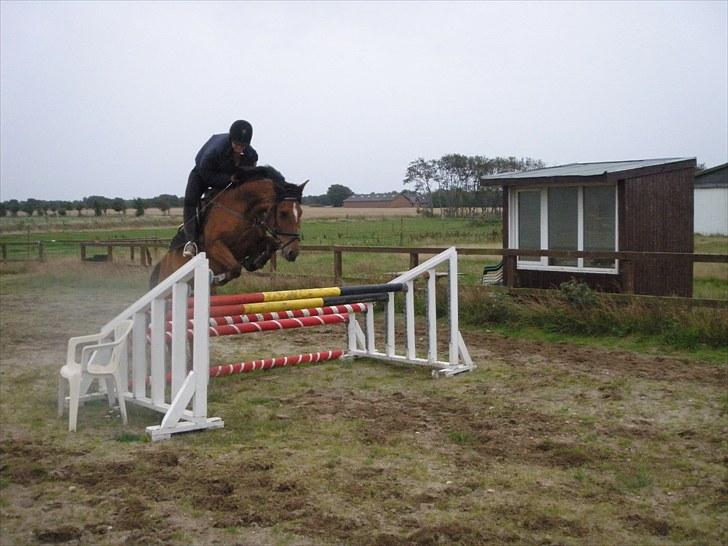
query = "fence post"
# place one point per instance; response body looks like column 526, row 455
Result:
column 4, row 251
column 110, row 253
column 83, row 252
column 337, row 266
column 131, row 251
column 414, row 260
column 509, row 270
column 41, row 252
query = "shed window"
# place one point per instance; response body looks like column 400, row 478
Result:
column 563, row 223
column 565, row 218
column 529, row 223
column 599, row 223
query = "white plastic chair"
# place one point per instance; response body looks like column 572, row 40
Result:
column 99, row 360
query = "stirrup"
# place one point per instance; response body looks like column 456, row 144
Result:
column 190, row 249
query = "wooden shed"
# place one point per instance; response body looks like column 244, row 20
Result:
column 642, row 205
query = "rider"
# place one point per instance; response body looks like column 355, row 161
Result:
column 215, row 164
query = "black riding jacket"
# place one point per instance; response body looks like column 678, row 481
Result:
column 215, row 162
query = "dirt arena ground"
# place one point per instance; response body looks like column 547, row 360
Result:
column 542, row 444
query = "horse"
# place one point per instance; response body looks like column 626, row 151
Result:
column 243, row 225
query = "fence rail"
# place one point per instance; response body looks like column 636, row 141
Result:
column 413, row 252
column 509, row 254
column 144, row 248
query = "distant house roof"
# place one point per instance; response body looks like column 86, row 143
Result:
column 715, row 177
column 581, row 169
column 379, row 197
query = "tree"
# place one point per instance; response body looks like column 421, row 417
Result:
column 337, row 193
column 13, row 207
column 98, row 203
column 138, row 207
column 28, row 206
column 452, row 182
column 421, row 174
column 163, row 203
column 119, row 205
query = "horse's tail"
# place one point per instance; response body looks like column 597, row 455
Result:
column 154, row 279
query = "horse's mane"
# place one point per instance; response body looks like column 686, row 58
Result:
column 283, row 189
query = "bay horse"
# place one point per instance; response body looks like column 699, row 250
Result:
column 258, row 214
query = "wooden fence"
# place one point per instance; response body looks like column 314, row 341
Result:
column 141, row 249
column 35, row 251
column 627, row 258
column 146, row 250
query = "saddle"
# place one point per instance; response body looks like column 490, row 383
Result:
column 179, row 239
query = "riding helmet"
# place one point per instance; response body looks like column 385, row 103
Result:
column 241, row 131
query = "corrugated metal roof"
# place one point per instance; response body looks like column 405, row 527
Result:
column 717, row 168
column 587, row 169
column 715, row 177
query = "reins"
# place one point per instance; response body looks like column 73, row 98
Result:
column 273, row 233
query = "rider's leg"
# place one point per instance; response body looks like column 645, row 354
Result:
column 193, row 193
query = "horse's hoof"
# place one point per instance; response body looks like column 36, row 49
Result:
column 218, row 279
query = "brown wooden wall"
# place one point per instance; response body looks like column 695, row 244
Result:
column 656, row 215
column 553, row 279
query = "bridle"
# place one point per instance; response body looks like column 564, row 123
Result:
column 272, row 233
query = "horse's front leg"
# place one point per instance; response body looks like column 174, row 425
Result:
column 220, row 253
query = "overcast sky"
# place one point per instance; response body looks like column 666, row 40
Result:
column 116, row 99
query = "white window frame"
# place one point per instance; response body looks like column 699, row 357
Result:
column 543, row 263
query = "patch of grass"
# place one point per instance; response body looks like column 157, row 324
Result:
column 462, row 437
column 130, row 437
column 635, row 479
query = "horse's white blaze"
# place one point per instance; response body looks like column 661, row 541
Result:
column 296, row 212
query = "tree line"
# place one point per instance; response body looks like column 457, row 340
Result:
column 99, row 204
column 452, row 183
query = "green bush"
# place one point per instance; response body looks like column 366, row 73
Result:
column 578, row 310
column 493, row 306
column 578, row 294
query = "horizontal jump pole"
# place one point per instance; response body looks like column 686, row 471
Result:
column 269, row 325
column 277, row 315
column 304, row 293
column 287, row 305
column 267, row 363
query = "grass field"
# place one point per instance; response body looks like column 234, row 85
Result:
column 328, row 226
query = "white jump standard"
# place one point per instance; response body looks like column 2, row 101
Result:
column 156, row 365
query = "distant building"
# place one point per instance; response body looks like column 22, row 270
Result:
column 710, row 190
column 642, row 206
column 391, row 200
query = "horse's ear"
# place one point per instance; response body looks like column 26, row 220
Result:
column 301, row 186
